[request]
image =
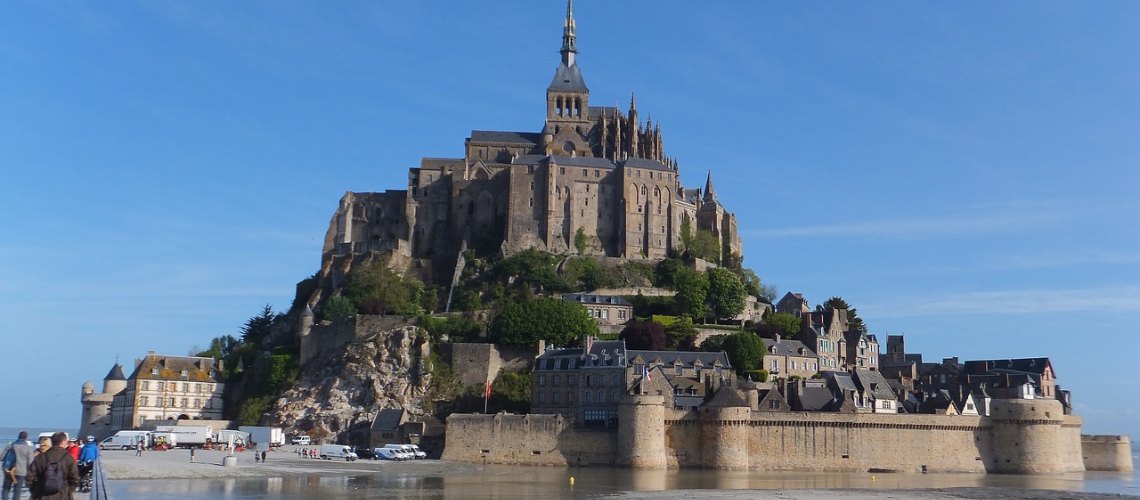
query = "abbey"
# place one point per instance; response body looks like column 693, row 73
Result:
column 592, row 174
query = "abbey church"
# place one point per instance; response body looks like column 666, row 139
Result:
column 591, row 171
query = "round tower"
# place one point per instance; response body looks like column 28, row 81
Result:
column 306, row 322
column 641, row 432
column 724, row 437
column 115, row 381
column 1026, row 436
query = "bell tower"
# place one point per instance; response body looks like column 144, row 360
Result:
column 568, row 98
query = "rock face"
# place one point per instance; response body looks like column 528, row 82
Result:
column 338, row 394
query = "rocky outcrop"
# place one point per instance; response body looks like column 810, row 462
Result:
column 340, row 392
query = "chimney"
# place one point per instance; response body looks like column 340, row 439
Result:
column 541, row 346
column 221, row 366
column 777, row 338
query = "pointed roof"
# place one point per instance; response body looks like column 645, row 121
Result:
column 116, row 373
column 307, row 311
column 726, row 397
column 568, row 78
column 710, row 194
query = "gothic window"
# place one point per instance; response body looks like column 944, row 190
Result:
column 531, row 201
column 597, row 173
column 644, row 191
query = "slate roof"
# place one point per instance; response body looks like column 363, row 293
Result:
column 1027, row 365
column 874, row 384
column 388, row 419
column 522, row 138
column 646, row 163
column 788, row 348
column 116, row 373
column 575, row 358
column 817, row 399
column 589, row 298
column 726, row 397
column 938, row 402
column 568, row 79
column 160, row 367
column 687, row 358
column 842, row 381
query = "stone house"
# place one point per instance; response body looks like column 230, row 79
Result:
column 794, row 304
column 823, row 333
column 789, row 358
column 862, row 351
column 388, row 427
column 609, row 311
column 877, row 393
column 169, row 388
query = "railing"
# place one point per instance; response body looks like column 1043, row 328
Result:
column 99, row 482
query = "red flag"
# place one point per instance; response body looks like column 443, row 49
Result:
column 488, row 389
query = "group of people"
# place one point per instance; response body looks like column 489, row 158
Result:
column 307, row 453
column 51, row 471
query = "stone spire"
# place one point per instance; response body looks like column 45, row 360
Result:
column 710, row 195
column 569, row 39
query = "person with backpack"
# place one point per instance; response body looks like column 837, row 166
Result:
column 17, row 457
column 54, row 475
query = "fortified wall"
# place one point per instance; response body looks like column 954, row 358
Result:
column 1021, row 437
column 1107, row 453
column 331, row 335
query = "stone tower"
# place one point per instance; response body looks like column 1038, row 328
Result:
column 568, row 100
column 95, row 419
column 641, row 437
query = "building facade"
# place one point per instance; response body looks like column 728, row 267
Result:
column 595, row 170
column 169, row 388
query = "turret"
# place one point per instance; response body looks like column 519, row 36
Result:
column 115, row 381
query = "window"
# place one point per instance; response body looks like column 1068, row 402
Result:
column 597, row 173
column 142, row 401
column 554, row 397
column 562, row 170
column 678, row 369
column 601, row 396
column 586, row 397
column 569, row 397
column 571, row 380
column 775, row 365
column 146, row 386
column 197, row 403
column 557, row 380
column 541, row 397
column 605, row 314
column 158, row 385
column 542, row 380
column 170, row 402
column 773, row 404
column 585, row 173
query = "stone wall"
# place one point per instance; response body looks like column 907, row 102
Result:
column 476, row 363
column 332, row 335
column 652, row 436
column 1107, row 453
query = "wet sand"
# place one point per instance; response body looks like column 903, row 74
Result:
column 124, row 465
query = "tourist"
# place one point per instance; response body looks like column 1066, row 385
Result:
column 15, row 478
column 73, row 449
column 87, row 456
column 38, row 477
column 45, row 444
column 139, row 447
column 263, row 457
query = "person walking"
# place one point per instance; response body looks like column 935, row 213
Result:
column 53, row 474
column 15, row 475
column 87, row 456
column 138, row 448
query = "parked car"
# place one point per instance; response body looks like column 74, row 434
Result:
column 302, row 440
column 365, row 453
column 400, row 451
column 386, row 454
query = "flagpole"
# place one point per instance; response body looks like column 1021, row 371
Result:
column 486, row 396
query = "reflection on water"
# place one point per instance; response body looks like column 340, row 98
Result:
column 549, row 482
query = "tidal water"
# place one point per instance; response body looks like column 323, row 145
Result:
column 550, row 482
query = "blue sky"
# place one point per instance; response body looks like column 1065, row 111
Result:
column 966, row 174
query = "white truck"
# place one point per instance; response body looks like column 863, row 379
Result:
column 331, row 451
column 188, row 436
column 264, row 438
column 233, row 438
column 125, row 440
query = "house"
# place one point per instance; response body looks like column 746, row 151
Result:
column 855, row 399
column 876, row 391
column 587, row 383
column 609, row 311
column 769, row 399
column 813, row 395
column 789, row 358
column 862, row 351
column 823, row 333
column 1040, row 370
column 938, row 403
column 388, row 427
column 794, row 304
column 166, row 387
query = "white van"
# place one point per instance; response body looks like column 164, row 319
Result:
column 387, row 454
column 302, row 440
column 125, row 440
column 400, row 451
column 331, row 451
column 415, row 451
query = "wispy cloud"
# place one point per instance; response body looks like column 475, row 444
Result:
column 1030, row 301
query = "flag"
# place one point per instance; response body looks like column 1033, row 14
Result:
column 645, row 372
column 488, row 389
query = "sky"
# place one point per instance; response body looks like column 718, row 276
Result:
column 966, row 174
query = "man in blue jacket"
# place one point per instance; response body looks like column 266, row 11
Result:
column 87, row 456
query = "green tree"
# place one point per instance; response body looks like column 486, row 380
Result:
column 714, row 343
column 585, row 273
column 375, row 289
column 555, row 321
column 580, row 241
column 706, row 246
column 787, row 325
column 692, row 294
column 668, row 270
column 337, row 308
column 530, row 269
column 686, row 232
column 681, row 335
column 745, row 351
column 260, row 326
column 854, row 322
column 725, row 293
column 220, row 347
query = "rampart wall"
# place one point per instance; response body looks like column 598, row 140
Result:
column 332, row 335
column 1107, row 453
column 652, row 436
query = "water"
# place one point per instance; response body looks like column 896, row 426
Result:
column 8, row 434
column 552, row 482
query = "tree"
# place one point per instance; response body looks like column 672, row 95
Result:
column 725, row 293
column 686, row 232
column 784, row 324
column 692, row 292
column 337, row 308
column 854, row 322
column 645, row 335
column 375, row 289
column 555, row 321
column 681, row 335
column 706, row 246
column 580, row 241
column 220, row 347
column 745, row 351
column 259, row 327
column 668, row 270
